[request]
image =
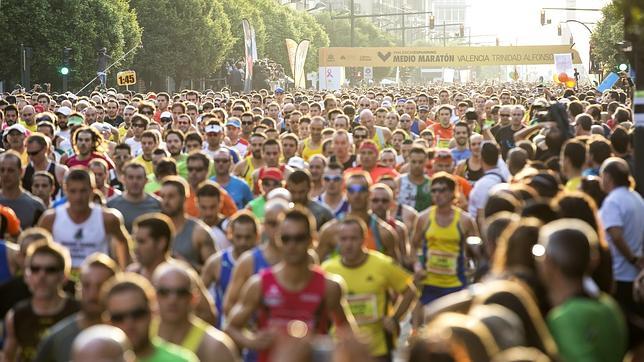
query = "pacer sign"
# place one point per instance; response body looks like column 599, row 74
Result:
column 443, row 56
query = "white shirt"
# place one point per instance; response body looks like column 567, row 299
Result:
column 481, row 191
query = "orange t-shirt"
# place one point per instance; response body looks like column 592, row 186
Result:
column 442, row 135
column 228, row 207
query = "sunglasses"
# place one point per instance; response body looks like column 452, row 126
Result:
column 179, row 292
column 247, row 123
column 504, row 115
column 437, row 190
column 33, row 153
column 135, row 314
column 35, row 269
column 270, row 183
column 195, row 169
column 354, row 189
column 297, row 238
column 376, row 201
column 147, row 113
column 332, row 178
column 359, row 136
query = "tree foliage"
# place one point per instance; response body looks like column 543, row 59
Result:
column 48, row 26
column 606, row 36
column 186, row 39
column 237, row 10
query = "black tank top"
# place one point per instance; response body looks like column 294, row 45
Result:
column 472, row 175
column 28, row 177
column 30, row 328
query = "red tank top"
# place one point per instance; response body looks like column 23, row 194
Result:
column 280, row 306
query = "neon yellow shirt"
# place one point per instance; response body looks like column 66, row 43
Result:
column 367, row 287
column 443, row 252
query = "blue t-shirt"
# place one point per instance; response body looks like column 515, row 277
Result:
column 238, row 189
column 459, row 156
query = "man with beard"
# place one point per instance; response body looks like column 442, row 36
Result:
column 86, row 141
column 174, row 144
column 461, row 151
column 192, row 241
column 235, row 186
column 14, row 139
column 94, row 272
column 245, row 168
column 112, row 117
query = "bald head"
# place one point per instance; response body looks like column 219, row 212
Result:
column 102, row 343
column 517, row 159
column 174, row 271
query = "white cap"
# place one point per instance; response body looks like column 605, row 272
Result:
column 166, row 114
column 101, row 127
column 213, row 128
column 17, row 127
column 65, row 111
column 298, row 163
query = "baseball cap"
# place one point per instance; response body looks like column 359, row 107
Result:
column 65, row 111
column 386, row 104
column 297, row 162
column 443, row 154
column 213, row 128
column 272, row 173
column 16, row 127
column 166, row 114
column 368, row 145
column 75, row 120
column 423, row 108
column 233, row 122
column 279, row 90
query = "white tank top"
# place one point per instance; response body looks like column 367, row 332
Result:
column 81, row 239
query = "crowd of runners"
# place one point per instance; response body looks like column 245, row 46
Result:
column 473, row 222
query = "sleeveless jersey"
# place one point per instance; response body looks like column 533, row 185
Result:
column 471, row 175
column 227, row 265
column 182, row 244
column 379, row 138
column 81, row 239
column 30, row 327
column 443, row 252
column 259, row 261
column 307, row 151
column 417, row 196
column 28, row 178
column 281, row 306
column 248, row 171
column 193, row 339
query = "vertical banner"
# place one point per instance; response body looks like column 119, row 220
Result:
column 331, row 78
column 300, row 59
column 563, row 63
column 249, row 60
column 254, row 42
column 367, row 73
column 291, row 48
column 448, row 75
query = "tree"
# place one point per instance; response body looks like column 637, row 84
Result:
column 187, row 39
column 237, row 10
column 605, row 37
column 48, row 26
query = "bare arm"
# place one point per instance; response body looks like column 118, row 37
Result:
column 203, row 242
column 114, row 227
column 241, row 313
column 241, row 272
column 389, row 241
column 327, row 240
column 10, row 343
column 338, row 308
column 528, row 131
column 211, row 269
column 47, row 220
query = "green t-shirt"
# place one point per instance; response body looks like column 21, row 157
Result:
column 587, row 329
column 258, row 207
column 168, row 352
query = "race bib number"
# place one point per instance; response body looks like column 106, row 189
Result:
column 364, row 308
column 442, row 262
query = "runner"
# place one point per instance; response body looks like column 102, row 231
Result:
column 414, row 186
column 334, row 197
column 84, row 227
column 276, row 293
column 369, row 277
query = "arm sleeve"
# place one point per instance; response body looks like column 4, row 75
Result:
column 610, row 214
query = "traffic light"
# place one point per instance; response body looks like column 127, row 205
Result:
column 432, row 21
column 461, row 30
column 64, row 70
column 543, row 17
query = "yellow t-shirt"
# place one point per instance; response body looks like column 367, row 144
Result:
column 33, row 128
column 308, row 152
column 573, row 184
column 367, row 287
column 149, row 168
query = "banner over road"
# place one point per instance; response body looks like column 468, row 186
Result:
column 443, row 56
